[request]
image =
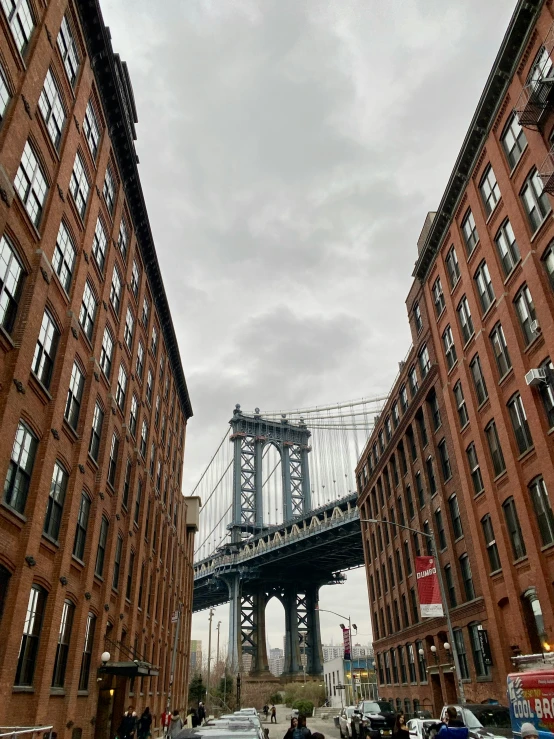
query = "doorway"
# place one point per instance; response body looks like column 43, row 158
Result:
column 438, row 701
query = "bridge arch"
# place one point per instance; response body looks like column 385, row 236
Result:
column 273, row 498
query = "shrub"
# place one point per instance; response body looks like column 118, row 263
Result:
column 304, row 706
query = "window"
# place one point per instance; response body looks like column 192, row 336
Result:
column 63, row 260
column 393, row 659
column 546, row 391
column 461, row 404
column 109, row 190
column 135, row 280
column 490, row 192
column 21, row 21
column 513, row 141
column 144, row 438
column 52, row 109
column 28, row 650
column 431, row 476
column 469, row 230
column 101, row 551
column 152, row 458
column 117, row 562
column 495, row 449
column 4, row 94
column 449, row 348
column 500, row 349
column 74, row 396
column 387, row 666
column 419, row 489
column 62, row 649
column 403, row 673
column 474, row 469
column 96, row 433
column 68, row 51
column 412, row 381
column 20, row 469
column 123, row 239
column 130, row 575
column 467, row 578
column 421, row 662
column 87, row 313
column 543, row 510
column 149, row 383
column 140, row 360
column 481, row 669
column 91, row 129
column 410, row 650
column 422, row 430
column 450, row 587
column 424, row 361
column 525, row 309
column 129, row 328
column 87, row 652
column 461, row 652
column 507, row 247
column 404, row 399
column 417, row 317
column 133, row 416
column 478, row 380
column 99, row 245
column 417, row 548
column 121, row 388
column 452, row 267
column 464, row 317
column 115, row 290
column 381, row 441
column 45, row 350
column 407, row 557
column 137, row 502
column 79, row 186
column 535, row 200
column 455, row 516
column 484, row 286
column 31, row 184
column 410, row 500
column 490, row 543
column 82, row 526
column 519, row 423
column 395, row 415
column 56, row 498
column 112, row 464
column 401, row 518
column 435, row 410
column 438, row 296
column 106, row 353
column 145, row 311
column 399, row 565
column 548, row 259
column 154, row 344
column 439, row 526
column 514, row 529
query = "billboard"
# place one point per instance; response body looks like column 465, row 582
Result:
column 428, row 587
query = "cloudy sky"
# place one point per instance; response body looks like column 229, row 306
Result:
column 290, row 150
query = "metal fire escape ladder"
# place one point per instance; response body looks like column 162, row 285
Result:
column 537, row 94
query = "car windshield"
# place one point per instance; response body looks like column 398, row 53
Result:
column 376, row 706
column 349, row 711
column 489, row 717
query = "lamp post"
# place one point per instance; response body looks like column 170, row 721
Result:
column 350, row 627
column 448, row 646
column 209, row 662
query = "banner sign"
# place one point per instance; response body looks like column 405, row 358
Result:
column 483, row 636
column 346, row 638
column 428, row 587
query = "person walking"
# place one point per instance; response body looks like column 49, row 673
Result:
column 128, row 724
column 273, row 714
column 400, row 730
column 193, row 718
column 144, row 724
column 453, row 728
column 265, row 709
column 290, row 730
column 175, row 725
column 201, row 713
column 166, row 720
column 301, row 731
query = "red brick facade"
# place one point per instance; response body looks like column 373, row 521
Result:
column 92, row 521
column 497, row 428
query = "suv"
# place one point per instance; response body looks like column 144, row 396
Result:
column 373, row 719
column 484, row 720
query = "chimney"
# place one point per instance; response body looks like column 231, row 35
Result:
column 425, row 230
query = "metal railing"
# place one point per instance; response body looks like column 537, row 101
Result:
column 537, row 92
column 7, row 732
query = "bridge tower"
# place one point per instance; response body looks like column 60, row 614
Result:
column 248, row 595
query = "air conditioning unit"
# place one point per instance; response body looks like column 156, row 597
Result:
column 535, row 327
column 536, row 376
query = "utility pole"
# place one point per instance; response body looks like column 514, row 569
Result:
column 217, row 650
column 209, row 662
column 176, row 618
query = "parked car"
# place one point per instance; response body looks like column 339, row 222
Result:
column 484, row 720
column 345, row 722
column 419, row 728
column 373, row 719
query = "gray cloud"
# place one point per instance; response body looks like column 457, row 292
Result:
column 290, row 150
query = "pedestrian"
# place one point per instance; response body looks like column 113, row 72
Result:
column 176, row 724
column 265, row 709
column 273, row 714
column 528, row 731
column 301, row 731
column 201, row 713
column 452, row 728
column 293, row 725
column 166, row 720
column 145, row 724
column 400, row 730
column 128, row 724
column 193, row 718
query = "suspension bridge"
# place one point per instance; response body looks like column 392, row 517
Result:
column 279, row 519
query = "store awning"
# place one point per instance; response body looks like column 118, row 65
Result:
column 129, row 669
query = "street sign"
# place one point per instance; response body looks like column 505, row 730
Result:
column 340, row 687
column 175, row 617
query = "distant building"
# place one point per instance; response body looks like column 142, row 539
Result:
column 332, row 651
column 276, row 661
column 195, row 655
column 348, row 681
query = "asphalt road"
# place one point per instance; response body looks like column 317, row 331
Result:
column 278, row 730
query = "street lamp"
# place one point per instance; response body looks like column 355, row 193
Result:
column 429, row 535
column 343, row 627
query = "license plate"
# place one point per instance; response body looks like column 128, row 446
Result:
column 386, row 732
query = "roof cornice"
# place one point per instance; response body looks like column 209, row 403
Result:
column 103, row 64
column 513, row 45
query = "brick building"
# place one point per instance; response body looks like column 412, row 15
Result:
column 96, row 540
column 464, row 415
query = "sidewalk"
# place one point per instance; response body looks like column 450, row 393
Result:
column 278, row 730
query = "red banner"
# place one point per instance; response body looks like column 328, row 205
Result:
column 428, row 587
column 346, row 639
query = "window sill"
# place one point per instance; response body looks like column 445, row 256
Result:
column 526, row 453
column 19, row 516
column 456, row 285
column 496, row 573
column 520, row 159
column 493, row 211
column 92, row 461
column 23, row 689
column 451, row 369
column 537, row 231
column 462, row 429
column 520, row 560
column 511, row 274
column 485, row 679
column 40, row 389
column 77, row 560
column 57, row 691
column 82, row 693
column 533, row 344
column 500, row 475
column 458, row 539
column 473, row 252
column 469, row 341
column 50, row 541
column 489, row 311
column 548, row 547
column 505, row 376
column 70, row 431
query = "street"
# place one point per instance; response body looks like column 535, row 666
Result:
column 323, row 726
